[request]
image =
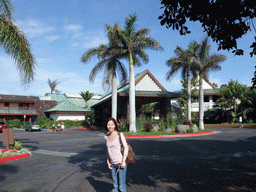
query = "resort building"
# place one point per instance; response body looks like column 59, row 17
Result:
column 23, row 107
column 69, row 107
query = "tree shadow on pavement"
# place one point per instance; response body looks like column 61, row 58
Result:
column 6, row 168
column 177, row 165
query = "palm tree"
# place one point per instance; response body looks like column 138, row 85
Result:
column 184, row 61
column 237, row 97
column 86, row 96
column 206, row 63
column 14, row 43
column 53, row 85
column 112, row 65
column 132, row 45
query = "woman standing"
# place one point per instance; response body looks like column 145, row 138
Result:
column 115, row 159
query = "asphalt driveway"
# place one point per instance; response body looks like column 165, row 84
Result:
column 76, row 161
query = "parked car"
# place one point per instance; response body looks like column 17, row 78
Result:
column 2, row 126
column 33, row 126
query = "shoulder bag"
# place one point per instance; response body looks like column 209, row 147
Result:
column 131, row 155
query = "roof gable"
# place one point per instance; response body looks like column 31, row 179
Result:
column 206, row 84
column 147, row 82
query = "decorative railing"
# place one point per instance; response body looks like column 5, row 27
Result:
column 16, row 108
column 207, row 105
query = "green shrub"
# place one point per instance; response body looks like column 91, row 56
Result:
column 123, row 125
column 161, row 125
column 168, row 123
column 190, row 130
column 148, row 127
column 174, row 122
column 17, row 145
column 13, row 123
column 23, row 151
column 140, row 121
column 45, row 122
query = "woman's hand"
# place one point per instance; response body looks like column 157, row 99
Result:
column 109, row 166
column 123, row 165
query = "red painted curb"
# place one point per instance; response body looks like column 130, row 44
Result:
column 14, row 157
column 181, row 135
column 73, row 129
column 229, row 125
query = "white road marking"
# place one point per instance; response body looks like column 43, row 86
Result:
column 55, row 153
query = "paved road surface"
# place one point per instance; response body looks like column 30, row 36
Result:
column 76, row 161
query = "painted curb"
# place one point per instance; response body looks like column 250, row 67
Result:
column 73, row 129
column 183, row 135
column 229, row 125
column 4, row 159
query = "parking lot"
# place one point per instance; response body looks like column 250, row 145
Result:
column 76, row 161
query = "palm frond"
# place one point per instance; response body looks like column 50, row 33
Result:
column 15, row 44
column 98, row 51
column 130, row 25
column 6, row 8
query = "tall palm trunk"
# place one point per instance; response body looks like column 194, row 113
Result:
column 132, row 112
column 201, row 104
column 114, row 97
column 189, row 93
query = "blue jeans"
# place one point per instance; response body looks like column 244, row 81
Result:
column 121, row 173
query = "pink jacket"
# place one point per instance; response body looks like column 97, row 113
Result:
column 114, row 148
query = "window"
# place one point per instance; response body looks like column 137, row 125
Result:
column 6, row 104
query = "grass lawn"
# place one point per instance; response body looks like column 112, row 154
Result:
column 159, row 133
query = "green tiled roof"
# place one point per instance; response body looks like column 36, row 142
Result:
column 207, row 91
column 18, row 111
column 57, row 97
column 68, row 106
column 66, row 103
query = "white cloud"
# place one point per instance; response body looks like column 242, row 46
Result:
column 33, row 28
column 52, row 37
column 71, row 82
column 73, row 27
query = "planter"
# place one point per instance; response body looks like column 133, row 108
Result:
column 182, row 128
column 8, row 137
column 4, row 159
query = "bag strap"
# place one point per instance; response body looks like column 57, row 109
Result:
column 119, row 135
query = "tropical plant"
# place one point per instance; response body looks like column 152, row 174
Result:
column 14, row 43
column 184, row 61
column 122, row 124
column 132, row 45
column 237, row 97
column 140, row 121
column 145, row 107
column 53, row 85
column 91, row 117
column 206, row 63
column 183, row 99
column 86, row 96
column 110, row 61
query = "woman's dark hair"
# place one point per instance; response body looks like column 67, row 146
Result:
column 111, row 119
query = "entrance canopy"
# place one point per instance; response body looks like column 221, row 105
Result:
column 147, row 90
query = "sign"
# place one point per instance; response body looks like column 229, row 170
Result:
column 24, row 116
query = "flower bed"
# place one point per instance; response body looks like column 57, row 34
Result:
column 13, row 154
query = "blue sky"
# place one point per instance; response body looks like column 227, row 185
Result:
column 60, row 31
